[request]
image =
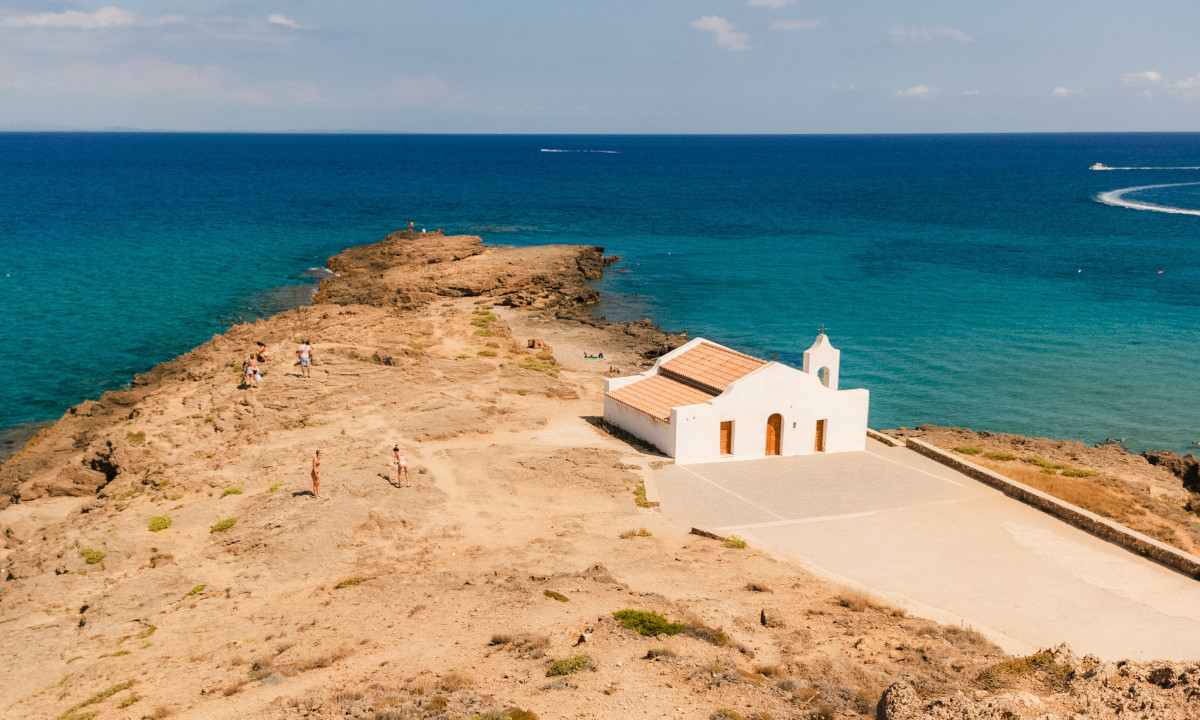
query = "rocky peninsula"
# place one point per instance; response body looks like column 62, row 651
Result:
column 162, row 554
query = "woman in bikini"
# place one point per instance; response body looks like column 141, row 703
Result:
column 401, row 464
column 252, row 376
column 316, row 474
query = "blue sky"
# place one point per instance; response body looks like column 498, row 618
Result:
column 606, row 66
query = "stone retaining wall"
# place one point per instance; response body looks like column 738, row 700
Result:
column 885, row 439
column 1087, row 521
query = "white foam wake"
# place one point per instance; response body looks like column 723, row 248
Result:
column 1117, row 199
column 604, row 152
column 1102, row 166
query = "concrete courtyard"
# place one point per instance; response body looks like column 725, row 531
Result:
column 944, row 546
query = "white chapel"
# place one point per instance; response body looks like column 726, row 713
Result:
column 704, row 402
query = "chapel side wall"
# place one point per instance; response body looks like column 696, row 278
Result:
column 846, row 430
column 659, row 434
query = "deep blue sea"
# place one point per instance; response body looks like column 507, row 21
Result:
column 974, row 280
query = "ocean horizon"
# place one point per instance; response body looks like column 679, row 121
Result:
column 992, row 281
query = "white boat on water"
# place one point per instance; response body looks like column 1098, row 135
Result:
column 1099, row 166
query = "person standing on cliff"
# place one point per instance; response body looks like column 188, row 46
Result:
column 316, row 475
column 252, row 375
column 305, row 353
column 401, row 464
column 410, row 225
column 261, row 353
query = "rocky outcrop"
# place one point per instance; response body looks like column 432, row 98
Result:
column 409, row 270
column 1064, row 686
column 1186, row 468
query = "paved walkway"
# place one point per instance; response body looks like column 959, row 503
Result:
column 944, row 546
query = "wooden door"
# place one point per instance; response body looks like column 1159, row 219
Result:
column 727, row 437
column 820, row 444
column 774, row 434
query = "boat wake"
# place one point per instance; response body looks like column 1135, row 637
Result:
column 1102, row 166
column 603, row 152
column 1116, row 198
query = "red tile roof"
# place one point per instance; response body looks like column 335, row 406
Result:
column 657, row 394
column 696, row 376
column 712, row 366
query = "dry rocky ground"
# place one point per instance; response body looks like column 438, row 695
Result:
column 163, row 555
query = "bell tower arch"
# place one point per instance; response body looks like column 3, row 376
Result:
column 822, row 360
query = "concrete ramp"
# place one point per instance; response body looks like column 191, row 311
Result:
column 947, row 547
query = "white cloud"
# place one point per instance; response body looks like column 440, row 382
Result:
column 970, row 93
column 277, row 19
column 771, row 3
column 917, row 91
column 1066, row 92
column 423, row 91
column 1149, row 76
column 723, row 29
column 304, row 93
column 106, row 17
column 149, row 76
column 899, row 34
column 796, row 24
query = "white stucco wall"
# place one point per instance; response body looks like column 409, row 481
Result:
column 659, row 434
column 749, row 402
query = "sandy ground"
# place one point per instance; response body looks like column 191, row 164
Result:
column 427, row 601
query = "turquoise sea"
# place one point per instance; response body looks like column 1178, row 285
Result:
column 990, row 281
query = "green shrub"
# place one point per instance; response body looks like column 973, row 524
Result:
column 516, row 713
column 536, row 365
column 484, row 332
column 135, row 438
column 572, row 664
column 351, row 582
column 556, row 596
column 486, row 353
column 733, row 541
column 522, row 392
column 968, row 449
column 159, row 522
column 1000, row 455
column 91, row 557
column 232, row 491
column 196, row 590
column 647, row 623
column 101, row 696
column 639, row 496
column 1079, row 472
column 223, row 525
column 275, row 487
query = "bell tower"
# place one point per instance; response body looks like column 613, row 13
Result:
column 822, row 360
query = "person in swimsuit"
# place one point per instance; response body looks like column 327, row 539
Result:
column 401, row 464
column 252, row 376
column 305, row 353
column 261, row 353
column 316, row 474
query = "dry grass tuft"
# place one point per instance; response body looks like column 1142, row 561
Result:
column 454, row 681
column 1040, row 667
column 758, row 587
column 855, row 600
